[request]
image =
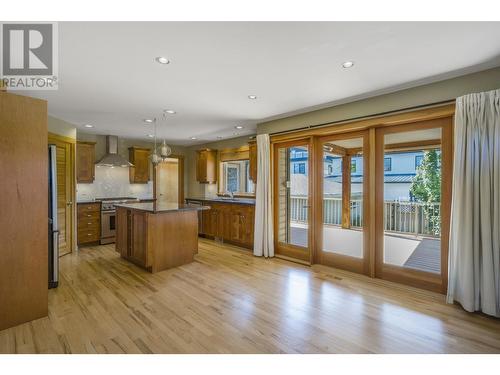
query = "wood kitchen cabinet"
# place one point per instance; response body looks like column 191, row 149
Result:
column 131, row 236
column 231, row 222
column 88, row 223
column 85, row 159
column 252, row 164
column 139, row 157
column 206, row 166
column 157, row 239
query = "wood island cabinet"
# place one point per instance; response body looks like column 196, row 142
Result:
column 139, row 157
column 85, row 159
column 156, row 240
column 206, row 166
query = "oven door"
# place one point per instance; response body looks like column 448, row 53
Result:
column 108, row 226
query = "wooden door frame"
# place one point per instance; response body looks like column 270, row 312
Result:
column 348, row 263
column 290, row 251
column 54, row 138
column 421, row 279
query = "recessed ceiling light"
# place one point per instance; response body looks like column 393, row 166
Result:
column 162, row 60
column 148, row 120
column 88, row 126
column 238, row 127
column 151, row 135
column 348, row 64
column 252, row 97
column 193, row 138
column 170, row 111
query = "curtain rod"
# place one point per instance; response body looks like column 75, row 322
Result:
column 436, row 104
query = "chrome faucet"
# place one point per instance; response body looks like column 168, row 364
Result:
column 230, row 193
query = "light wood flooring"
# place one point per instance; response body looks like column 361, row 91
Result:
column 228, row 301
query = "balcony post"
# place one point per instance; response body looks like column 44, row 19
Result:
column 346, row 191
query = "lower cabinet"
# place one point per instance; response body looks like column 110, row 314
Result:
column 89, row 223
column 131, row 236
column 233, row 223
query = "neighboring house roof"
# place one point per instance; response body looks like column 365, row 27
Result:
column 388, row 178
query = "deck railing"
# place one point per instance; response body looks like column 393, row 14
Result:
column 403, row 217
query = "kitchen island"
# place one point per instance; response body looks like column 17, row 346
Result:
column 157, row 236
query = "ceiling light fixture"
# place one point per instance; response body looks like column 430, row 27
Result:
column 88, row 126
column 193, row 138
column 238, row 127
column 148, row 120
column 162, row 60
column 348, row 64
column 170, row 111
column 151, row 135
column 253, row 97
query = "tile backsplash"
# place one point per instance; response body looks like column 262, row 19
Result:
column 113, row 182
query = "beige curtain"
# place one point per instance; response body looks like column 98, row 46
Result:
column 474, row 261
column 263, row 235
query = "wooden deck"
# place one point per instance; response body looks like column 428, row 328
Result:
column 426, row 256
column 228, row 301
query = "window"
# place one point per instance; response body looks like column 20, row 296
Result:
column 353, row 166
column 299, row 168
column 387, row 164
column 235, row 177
column 418, row 160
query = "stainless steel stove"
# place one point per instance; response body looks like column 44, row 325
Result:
column 108, row 217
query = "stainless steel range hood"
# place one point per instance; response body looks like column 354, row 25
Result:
column 112, row 159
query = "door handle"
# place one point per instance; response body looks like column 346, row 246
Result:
column 69, row 203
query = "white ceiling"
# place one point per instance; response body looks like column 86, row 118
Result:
column 108, row 76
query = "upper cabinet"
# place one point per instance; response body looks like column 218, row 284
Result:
column 206, row 166
column 85, row 158
column 253, row 161
column 139, row 157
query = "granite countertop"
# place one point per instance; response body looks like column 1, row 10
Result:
column 248, row 201
column 87, row 201
column 161, row 207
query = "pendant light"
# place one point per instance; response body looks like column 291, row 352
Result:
column 155, row 158
column 165, row 150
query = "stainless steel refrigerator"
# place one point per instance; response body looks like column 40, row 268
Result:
column 53, row 228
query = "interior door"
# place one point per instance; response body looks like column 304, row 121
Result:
column 342, row 233
column 170, row 181
column 292, row 198
column 65, row 173
column 413, row 189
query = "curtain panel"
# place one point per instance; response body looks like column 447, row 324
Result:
column 474, row 259
column 263, row 234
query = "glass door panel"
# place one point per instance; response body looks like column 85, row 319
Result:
column 413, row 188
column 342, row 180
column 412, row 200
column 292, row 198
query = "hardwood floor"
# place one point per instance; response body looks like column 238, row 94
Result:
column 230, row 302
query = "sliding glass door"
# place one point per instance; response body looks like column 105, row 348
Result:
column 412, row 208
column 292, row 213
column 342, row 201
